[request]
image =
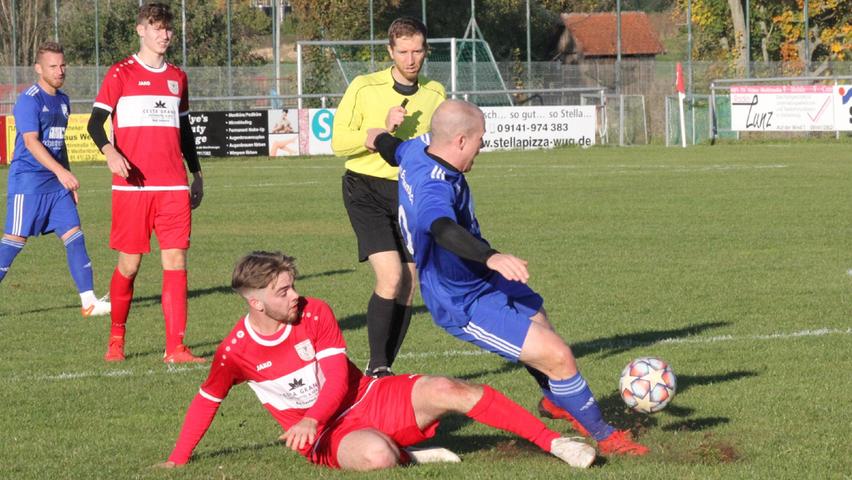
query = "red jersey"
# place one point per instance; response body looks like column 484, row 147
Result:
column 287, row 372
column 146, row 105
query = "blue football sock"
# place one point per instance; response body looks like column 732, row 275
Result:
column 575, row 396
column 9, row 249
column 78, row 262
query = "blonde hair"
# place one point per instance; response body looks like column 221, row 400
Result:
column 51, row 47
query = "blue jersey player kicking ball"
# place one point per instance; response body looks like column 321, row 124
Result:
column 42, row 194
column 474, row 292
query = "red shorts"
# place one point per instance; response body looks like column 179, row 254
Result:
column 135, row 214
column 384, row 406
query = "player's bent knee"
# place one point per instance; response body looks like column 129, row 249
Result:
column 560, row 363
column 378, row 457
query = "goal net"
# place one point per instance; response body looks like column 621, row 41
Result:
column 465, row 67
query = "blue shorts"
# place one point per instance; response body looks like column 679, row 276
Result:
column 33, row 214
column 499, row 319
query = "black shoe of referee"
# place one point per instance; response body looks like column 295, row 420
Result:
column 378, row 372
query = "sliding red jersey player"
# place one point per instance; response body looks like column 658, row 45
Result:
column 290, row 351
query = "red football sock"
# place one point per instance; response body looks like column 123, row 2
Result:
column 497, row 411
column 174, row 307
column 120, row 295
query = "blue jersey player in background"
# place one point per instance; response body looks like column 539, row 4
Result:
column 42, row 193
column 474, row 292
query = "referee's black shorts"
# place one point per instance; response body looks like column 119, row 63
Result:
column 373, row 207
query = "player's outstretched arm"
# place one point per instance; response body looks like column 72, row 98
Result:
column 43, row 156
column 199, row 416
column 455, row 238
column 115, row 160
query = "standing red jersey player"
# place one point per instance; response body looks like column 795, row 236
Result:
column 290, row 351
column 149, row 103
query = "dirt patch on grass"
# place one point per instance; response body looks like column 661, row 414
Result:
column 709, row 450
column 513, row 449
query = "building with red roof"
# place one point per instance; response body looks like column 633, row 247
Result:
column 594, row 36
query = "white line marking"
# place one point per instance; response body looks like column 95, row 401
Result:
column 258, row 185
column 110, row 373
column 627, row 343
column 173, row 369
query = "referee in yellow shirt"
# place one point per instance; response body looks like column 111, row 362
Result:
column 400, row 100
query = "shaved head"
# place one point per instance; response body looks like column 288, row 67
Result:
column 455, row 117
column 457, row 130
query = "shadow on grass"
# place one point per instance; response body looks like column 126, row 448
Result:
column 234, row 450
column 469, row 443
column 202, row 292
column 353, row 322
column 192, row 293
column 195, row 347
column 621, row 417
column 621, row 343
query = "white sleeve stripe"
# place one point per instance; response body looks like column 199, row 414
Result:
column 328, row 352
column 209, row 397
column 103, row 106
column 183, row 114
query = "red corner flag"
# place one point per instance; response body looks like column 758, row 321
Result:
column 679, row 80
column 681, row 95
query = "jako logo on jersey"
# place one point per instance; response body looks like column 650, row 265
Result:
column 264, row 365
column 144, row 83
column 321, row 125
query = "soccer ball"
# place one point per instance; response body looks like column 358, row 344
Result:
column 647, row 384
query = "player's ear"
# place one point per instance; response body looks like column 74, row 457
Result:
column 140, row 30
column 254, row 302
column 461, row 141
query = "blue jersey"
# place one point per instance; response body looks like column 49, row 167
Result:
column 429, row 189
column 38, row 111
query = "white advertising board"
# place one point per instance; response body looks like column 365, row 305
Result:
column 506, row 128
column 843, row 107
column 782, row 108
column 523, row 128
column 315, row 127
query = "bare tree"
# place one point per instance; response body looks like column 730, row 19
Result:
column 740, row 40
column 32, row 26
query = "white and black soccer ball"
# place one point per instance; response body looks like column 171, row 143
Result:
column 647, row 384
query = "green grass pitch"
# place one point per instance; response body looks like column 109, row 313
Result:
column 730, row 262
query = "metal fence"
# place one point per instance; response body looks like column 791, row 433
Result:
column 215, row 88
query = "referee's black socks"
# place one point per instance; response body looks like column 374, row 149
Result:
column 380, row 319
